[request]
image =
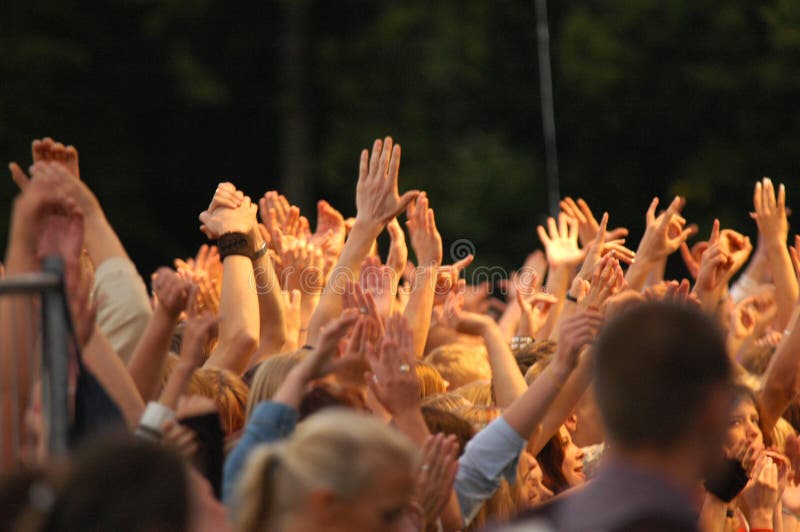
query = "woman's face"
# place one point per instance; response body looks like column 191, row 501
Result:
column 384, row 505
column 572, row 466
column 744, row 426
column 533, row 490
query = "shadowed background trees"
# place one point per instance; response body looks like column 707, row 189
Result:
column 166, row 98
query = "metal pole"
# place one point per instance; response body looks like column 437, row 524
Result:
column 55, row 359
column 548, row 116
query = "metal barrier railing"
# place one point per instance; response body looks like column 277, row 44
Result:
column 35, row 350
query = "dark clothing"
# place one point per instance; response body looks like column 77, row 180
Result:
column 621, row 498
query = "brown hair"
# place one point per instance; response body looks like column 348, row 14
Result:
column 551, row 460
column 448, row 423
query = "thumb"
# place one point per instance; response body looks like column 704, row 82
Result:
column 18, row 176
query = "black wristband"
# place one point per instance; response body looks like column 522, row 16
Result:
column 260, row 252
column 234, row 244
column 727, row 480
column 572, row 298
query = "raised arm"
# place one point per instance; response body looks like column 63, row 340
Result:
column 427, row 245
column 663, row 236
column 147, row 363
column 238, row 330
column 773, row 230
column 377, row 202
column 507, row 380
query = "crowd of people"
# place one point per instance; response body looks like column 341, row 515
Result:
column 290, row 379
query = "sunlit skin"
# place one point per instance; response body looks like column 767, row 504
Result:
column 572, row 466
column 533, row 490
column 744, row 426
column 381, row 506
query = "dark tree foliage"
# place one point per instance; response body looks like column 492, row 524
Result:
column 164, row 98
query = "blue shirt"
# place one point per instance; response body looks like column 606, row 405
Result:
column 269, row 422
column 489, row 457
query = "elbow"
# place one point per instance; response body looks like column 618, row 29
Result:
column 244, row 342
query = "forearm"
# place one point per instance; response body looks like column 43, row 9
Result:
column 558, row 282
column 572, row 387
column 509, row 321
column 509, row 384
column 308, row 304
column 272, row 323
column 639, row 271
column 528, row 412
column 238, row 330
column 109, row 370
column 781, row 382
column 786, row 289
column 348, row 267
column 420, row 306
column 176, row 385
column 412, row 424
column 656, row 274
column 713, row 514
column 146, row 366
column 101, row 240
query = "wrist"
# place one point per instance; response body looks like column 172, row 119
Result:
column 369, row 227
column 761, row 518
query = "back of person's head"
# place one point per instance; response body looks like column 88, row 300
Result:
column 325, row 394
column 124, row 484
column 449, row 402
column 448, row 423
column 537, row 368
column 656, row 368
column 430, row 380
column 268, row 378
column 480, row 393
column 228, row 391
column 480, row 416
column 460, row 363
column 528, row 355
column 337, row 456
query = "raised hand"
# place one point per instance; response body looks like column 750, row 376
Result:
column 575, row 332
column 664, row 233
column 180, row 438
column 677, row 292
column 459, row 319
column 436, row 475
column 331, row 230
column 607, row 280
column 535, row 310
column 770, row 212
column 738, row 248
column 714, row 265
column 599, row 247
column 588, row 226
column 762, row 493
column 751, row 315
column 425, row 238
column 226, row 196
column 325, row 358
column 356, row 298
column 197, row 333
column 171, row 291
column 392, row 379
column 692, row 257
column 377, row 196
column 223, row 220
column 380, row 282
column 398, row 250
column 47, row 150
column 561, row 242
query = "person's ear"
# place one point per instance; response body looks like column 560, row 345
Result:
column 324, row 506
column 572, row 422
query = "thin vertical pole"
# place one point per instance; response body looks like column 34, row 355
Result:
column 548, row 115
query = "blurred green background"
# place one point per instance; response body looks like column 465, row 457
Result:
column 165, row 98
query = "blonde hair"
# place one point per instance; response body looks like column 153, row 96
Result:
column 449, row 402
column 226, row 388
column 479, row 416
column 480, row 393
column 268, row 377
column 461, row 363
column 337, row 450
column 430, row 380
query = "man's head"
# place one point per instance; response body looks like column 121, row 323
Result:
column 662, row 377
